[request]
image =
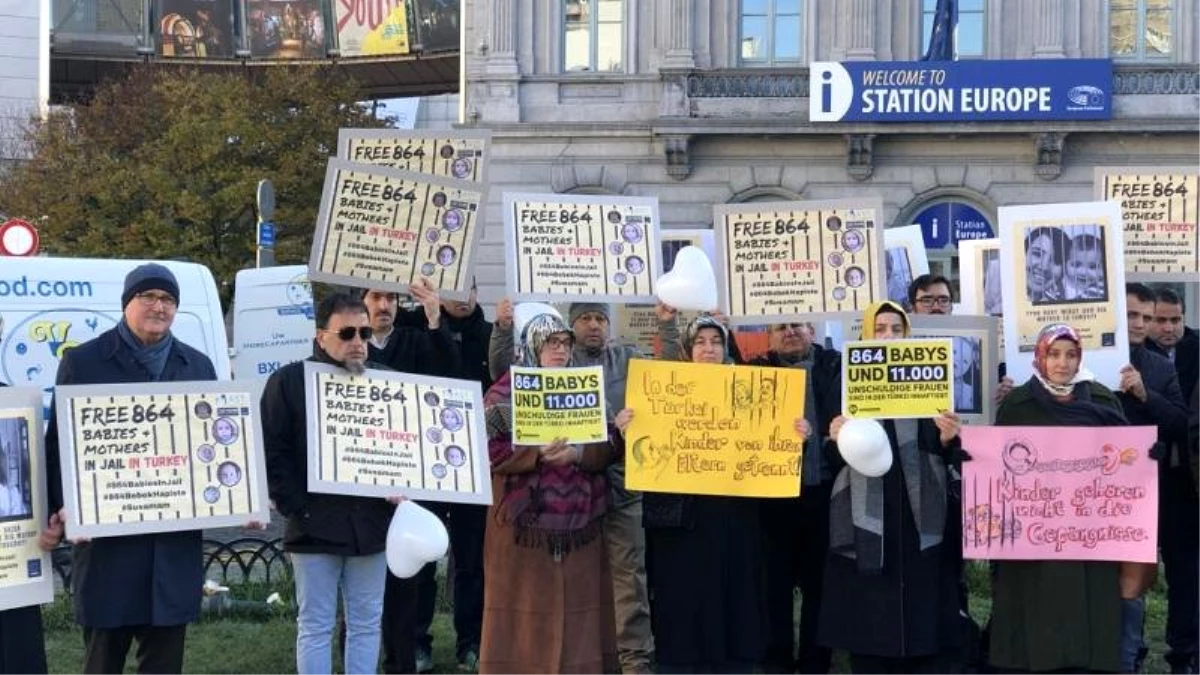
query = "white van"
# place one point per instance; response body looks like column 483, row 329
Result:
column 50, row 304
column 273, row 320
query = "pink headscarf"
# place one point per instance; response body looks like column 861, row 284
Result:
column 1049, row 335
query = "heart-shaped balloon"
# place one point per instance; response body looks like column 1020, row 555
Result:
column 691, row 283
column 415, row 537
column 525, row 311
column 865, row 446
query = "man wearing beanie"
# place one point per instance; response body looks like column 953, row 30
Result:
column 137, row 587
column 623, row 533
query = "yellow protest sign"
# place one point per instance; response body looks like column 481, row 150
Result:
column 461, row 153
column 714, row 429
column 893, row 379
column 550, row 403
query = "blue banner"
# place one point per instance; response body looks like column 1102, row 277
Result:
column 960, row 91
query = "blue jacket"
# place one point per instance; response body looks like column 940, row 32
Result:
column 149, row 579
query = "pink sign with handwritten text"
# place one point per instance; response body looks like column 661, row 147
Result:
column 1060, row 493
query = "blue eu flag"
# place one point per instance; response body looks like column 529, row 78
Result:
column 941, row 38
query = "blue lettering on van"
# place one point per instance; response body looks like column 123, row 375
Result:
column 22, row 287
column 268, row 367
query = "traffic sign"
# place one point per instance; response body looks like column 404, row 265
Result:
column 18, row 238
column 266, row 234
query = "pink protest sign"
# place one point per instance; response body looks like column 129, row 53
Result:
column 1060, row 493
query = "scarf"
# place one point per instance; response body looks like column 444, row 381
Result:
column 152, row 358
column 1046, row 337
column 557, row 507
column 1080, row 410
column 856, row 517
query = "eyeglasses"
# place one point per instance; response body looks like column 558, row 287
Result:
column 152, row 299
column 347, row 334
column 931, row 300
column 559, row 342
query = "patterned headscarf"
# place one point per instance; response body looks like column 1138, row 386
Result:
column 1047, row 336
column 688, row 337
column 873, row 310
column 533, row 338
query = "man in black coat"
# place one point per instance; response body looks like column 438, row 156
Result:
column 1150, row 395
column 797, row 530
column 336, row 542
column 1174, row 340
column 138, row 587
column 472, row 334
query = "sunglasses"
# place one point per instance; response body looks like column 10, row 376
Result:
column 347, row 334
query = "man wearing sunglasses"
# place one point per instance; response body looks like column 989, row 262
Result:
column 145, row 587
column 797, row 530
column 334, row 541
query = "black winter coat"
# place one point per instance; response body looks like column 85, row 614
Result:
column 1164, row 407
column 1187, row 360
column 148, row 579
column 316, row 523
column 471, row 335
column 413, row 348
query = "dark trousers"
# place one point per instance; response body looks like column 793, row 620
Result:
column 159, row 648
column 797, row 539
column 22, row 643
column 399, row 624
column 465, row 523
column 862, row 663
column 1179, row 537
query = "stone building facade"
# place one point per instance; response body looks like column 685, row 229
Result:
column 703, row 102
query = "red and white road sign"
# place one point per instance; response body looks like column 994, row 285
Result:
column 18, row 238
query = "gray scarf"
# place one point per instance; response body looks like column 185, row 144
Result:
column 856, row 508
column 152, row 358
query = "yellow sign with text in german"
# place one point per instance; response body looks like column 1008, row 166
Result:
column 893, row 379
column 713, row 429
column 550, row 403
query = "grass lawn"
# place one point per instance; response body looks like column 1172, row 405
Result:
column 266, row 644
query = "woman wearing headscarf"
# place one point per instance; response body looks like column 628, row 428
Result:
column 1057, row 615
column 704, row 559
column 548, row 602
column 891, row 576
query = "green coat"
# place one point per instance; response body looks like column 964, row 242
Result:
column 1054, row 615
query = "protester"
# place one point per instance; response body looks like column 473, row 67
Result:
column 1149, row 395
column 796, row 530
column 704, row 552
column 1175, row 340
column 548, row 604
column 1057, row 614
column 623, row 533
column 449, row 340
column 335, row 542
column 137, row 587
column 891, row 592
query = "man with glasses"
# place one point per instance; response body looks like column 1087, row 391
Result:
column 334, row 541
column 797, row 530
column 138, row 587
column 418, row 341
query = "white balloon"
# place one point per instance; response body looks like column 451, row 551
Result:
column 691, row 283
column 865, row 446
column 415, row 537
column 525, row 311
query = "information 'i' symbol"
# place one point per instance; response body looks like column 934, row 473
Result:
column 827, row 92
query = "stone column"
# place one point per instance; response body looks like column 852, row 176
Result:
column 859, row 20
column 502, row 55
column 679, row 20
column 1048, row 19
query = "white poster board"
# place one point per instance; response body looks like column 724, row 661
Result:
column 26, row 574
column 905, row 259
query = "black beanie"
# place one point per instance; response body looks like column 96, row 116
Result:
column 149, row 277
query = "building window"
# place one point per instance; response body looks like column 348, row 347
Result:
column 771, row 32
column 1140, row 29
column 593, row 35
column 968, row 35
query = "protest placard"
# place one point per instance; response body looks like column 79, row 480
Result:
column 976, row 373
column 714, row 429
column 797, row 261
column 562, row 247
column 637, row 325
column 385, row 228
column 160, row 457
column 1062, row 263
column 385, row 434
column 979, row 283
column 1159, row 208
column 461, row 154
column 892, row 379
column 550, row 403
column 905, row 259
column 26, row 575
column 1060, row 493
